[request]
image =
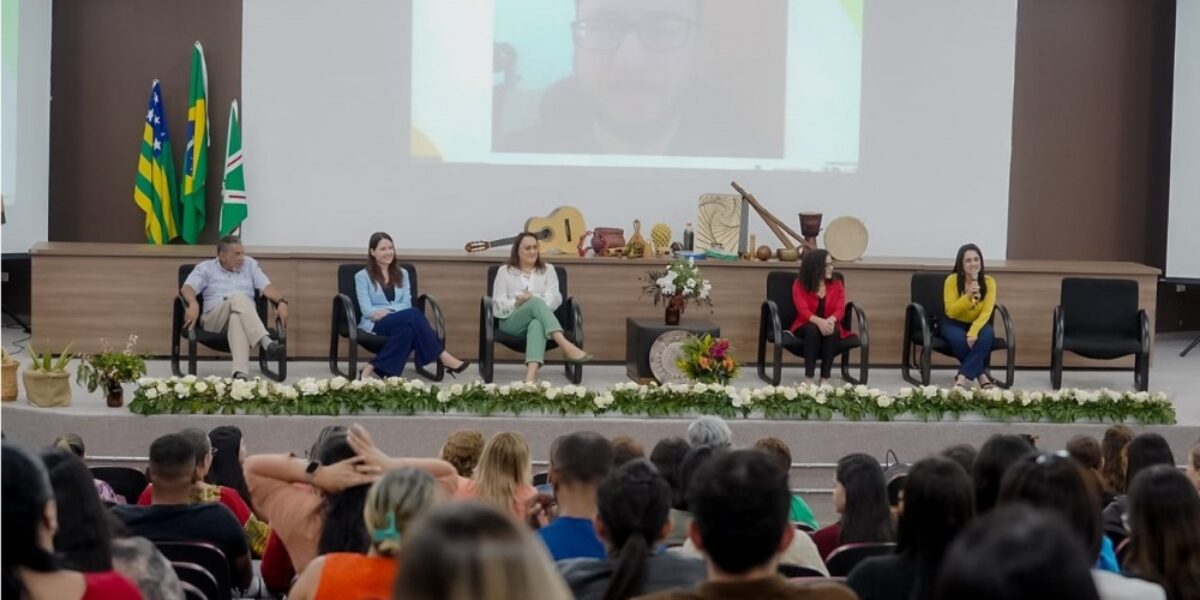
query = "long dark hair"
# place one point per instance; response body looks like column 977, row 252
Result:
column 1164, row 513
column 1143, row 452
column 961, row 272
column 514, row 257
column 667, row 456
column 633, row 504
column 867, row 516
column 226, row 468
column 26, row 492
column 1112, row 446
column 343, row 529
column 1057, row 483
column 695, row 458
column 938, row 503
column 997, row 453
column 812, row 269
column 84, row 538
column 395, row 274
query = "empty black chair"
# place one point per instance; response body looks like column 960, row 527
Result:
column 778, row 313
column 843, row 559
column 921, row 338
column 206, row 556
column 569, row 315
column 346, row 315
column 1100, row 318
column 125, row 481
column 216, row 340
column 197, row 582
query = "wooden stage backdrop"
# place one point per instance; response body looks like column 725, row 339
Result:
column 83, row 292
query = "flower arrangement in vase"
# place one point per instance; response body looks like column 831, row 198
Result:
column 109, row 370
column 708, row 360
column 680, row 283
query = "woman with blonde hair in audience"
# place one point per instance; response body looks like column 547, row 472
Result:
column 504, row 477
column 393, row 503
column 470, row 551
column 1164, row 523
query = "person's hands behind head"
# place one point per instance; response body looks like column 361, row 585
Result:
column 362, row 443
column 341, row 475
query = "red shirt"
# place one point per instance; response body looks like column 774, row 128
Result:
column 826, row 539
column 229, row 497
column 807, row 303
column 109, row 585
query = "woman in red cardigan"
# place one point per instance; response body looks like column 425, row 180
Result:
column 820, row 304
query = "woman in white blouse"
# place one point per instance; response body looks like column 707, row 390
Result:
column 524, row 297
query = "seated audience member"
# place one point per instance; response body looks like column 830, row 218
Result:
column 393, row 503
column 173, row 517
column 894, row 478
column 301, row 514
column 504, row 477
column 31, row 569
column 471, row 551
column 740, row 503
column 525, row 295
column 667, row 456
column 634, row 504
column 969, row 295
column 1193, row 466
column 997, row 453
column 799, row 513
column 462, row 449
column 964, row 455
column 860, row 497
column 1143, row 451
column 228, row 284
column 1057, row 484
column 202, row 492
column 626, row 449
column 1016, row 552
column 227, row 460
column 938, row 504
column 74, row 444
column 820, row 301
column 581, row 461
column 87, row 539
column 1112, row 447
column 1085, row 450
column 1164, row 523
column 710, row 431
column 385, row 301
column 681, row 516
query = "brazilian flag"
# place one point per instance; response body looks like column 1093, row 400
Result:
column 154, row 190
column 195, row 155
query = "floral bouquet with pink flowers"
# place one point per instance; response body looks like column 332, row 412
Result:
column 708, row 360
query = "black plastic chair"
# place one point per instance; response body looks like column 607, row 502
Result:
column 794, row 571
column 569, row 314
column 216, row 340
column 778, row 313
column 1100, row 318
column 844, row 558
column 206, row 556
column 346, row 315
column 921, row 339
column 125, row 481
column 196, row 581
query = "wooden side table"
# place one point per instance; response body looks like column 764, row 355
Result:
column 640, row 335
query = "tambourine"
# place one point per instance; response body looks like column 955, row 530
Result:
column 846, row 239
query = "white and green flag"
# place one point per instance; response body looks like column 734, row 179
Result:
column 233, row 187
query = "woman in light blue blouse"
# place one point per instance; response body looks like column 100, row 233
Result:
column 385, row 301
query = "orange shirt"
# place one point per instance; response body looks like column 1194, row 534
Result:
column 350, row 576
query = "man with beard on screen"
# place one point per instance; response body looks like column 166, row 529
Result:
column 635, row 91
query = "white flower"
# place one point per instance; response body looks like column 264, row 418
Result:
column 906, row 392
column 489, row 388
column 929, row 390
column 861, row 390
column 290, row 393
column 308, row 387
column 505, row 389
column 145, row 382
column 456, row 389
column 820, row 398
column 580, row 391
column 1141, row 397
column 691, row 283
column 338, row 383
column 739, row 401
column 602, row 400
column 789, row 393
column 200, row 387
column 642, row 389
column 180, row 389
column 418, row 384
column 699, row 387
column 162, row 387
column 220, row 388
column 545, row 385
column 1026, row 399
column 357, row 384
column 443, row 397
column 264, row 388
column 151, row 393
column 323, row 385
column 189, row 378
column 884, row 401
column 1009, row 397
column 551, row 394
column 825, row 388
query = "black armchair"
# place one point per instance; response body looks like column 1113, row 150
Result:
column 570, row 316
column 1100, row 318
column 778, row 313
column 217, row 340
column 921, row 338
column 346, row 315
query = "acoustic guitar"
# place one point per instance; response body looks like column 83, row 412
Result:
column 557, row 232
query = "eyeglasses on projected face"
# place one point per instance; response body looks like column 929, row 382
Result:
column 657, row 35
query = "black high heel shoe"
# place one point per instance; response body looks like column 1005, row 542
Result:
column 454, row 372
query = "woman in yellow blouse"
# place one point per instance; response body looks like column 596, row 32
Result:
column 969, row 295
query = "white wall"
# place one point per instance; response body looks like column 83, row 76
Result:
column 27, row 210
column 326, row 105
column 1183, row 228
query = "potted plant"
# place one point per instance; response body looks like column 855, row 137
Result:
column 47, row 382
column 9, row 367
column 708, row 360
column 108, row 370
column 679, row 283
